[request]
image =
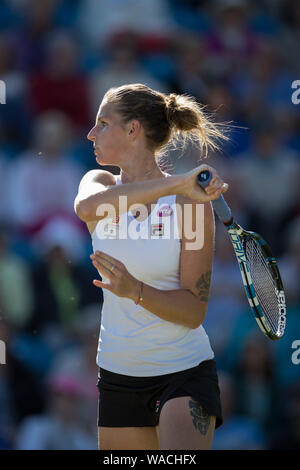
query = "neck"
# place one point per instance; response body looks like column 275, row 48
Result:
column 134, row 175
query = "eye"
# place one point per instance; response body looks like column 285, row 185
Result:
column 101, row 123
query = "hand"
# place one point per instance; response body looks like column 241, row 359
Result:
column 121, row 283
column 191, row 188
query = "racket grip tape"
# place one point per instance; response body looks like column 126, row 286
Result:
column 220, row 206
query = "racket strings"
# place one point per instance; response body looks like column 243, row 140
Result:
column 263, row 282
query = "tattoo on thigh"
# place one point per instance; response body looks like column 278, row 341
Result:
column 203, row 285
column 201, row 419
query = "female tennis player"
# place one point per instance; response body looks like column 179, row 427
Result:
column 158, row 385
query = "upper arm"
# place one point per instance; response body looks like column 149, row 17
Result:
column 197, row 253
column 93, row 182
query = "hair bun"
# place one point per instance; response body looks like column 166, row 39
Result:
column 171, row 107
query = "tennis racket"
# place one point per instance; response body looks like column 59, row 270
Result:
column 259, row 270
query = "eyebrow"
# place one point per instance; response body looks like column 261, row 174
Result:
column 101, row 118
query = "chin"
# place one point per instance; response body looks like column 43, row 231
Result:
column 99, row 161
column 102, row 162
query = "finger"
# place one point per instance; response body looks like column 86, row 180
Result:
column 211, row 191
column 109, row 258
column 99, row 259
column 102, row 269
column 218, row 186
column 101, row 284
column 102, row 262
column 215, row 182
column 218, row 193
column 224, row 187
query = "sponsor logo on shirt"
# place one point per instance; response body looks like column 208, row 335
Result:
column 157, row 229
column 165, row 211
column 111, row 230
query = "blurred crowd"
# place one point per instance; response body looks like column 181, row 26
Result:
column 57, row 58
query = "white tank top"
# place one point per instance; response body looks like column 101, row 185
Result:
column 134, row 341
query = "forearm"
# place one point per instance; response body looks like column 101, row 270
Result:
column 179, row 306
column 108, row 203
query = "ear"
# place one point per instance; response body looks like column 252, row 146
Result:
column 134, row 128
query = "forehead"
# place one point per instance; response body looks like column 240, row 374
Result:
column 107, row 111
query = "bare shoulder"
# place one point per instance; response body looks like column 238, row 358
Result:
column 98, row 176
column 91, row 183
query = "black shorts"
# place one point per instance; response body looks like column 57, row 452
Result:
column 126, row 401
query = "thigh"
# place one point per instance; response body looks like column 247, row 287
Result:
column 185, row 424
column 129, row 438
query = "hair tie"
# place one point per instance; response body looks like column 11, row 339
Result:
column 171, row 105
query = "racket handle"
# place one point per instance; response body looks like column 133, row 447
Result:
column 220, row 206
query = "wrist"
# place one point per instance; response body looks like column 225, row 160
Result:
column 134, row 295
column 177, row 186
column 138, row 295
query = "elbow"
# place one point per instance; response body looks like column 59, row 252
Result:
column 199, row 317
column 81, row 210
column 198, row 307
column 196, row 324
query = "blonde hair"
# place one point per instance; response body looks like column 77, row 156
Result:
column 167, row 119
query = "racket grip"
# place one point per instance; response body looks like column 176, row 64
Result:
column 220, row 206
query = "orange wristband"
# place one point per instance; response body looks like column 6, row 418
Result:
column 140, row 294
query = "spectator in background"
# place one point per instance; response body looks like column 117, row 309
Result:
column 61, row 287
column 287, row 436
column 43, row 180
column 257, row 388
column 16, row 290
column 268, row 163
column 4, row 206
column 14, row 80
column 78, row 361
column 99, row 19
column 59, row 427
column 290, row 263
column 264, row 83
column 231, row 44
column 122, row 67
column 191, row 74
column 221, row 102
column 27, row 360
column 238, row 432
column 14, row 116
column 31, row 37
column 7, row 410
column 191, row 15
column 226, row 297
column 290, row 36
column 59, row 84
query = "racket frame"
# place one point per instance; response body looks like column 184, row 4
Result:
column 236, row 234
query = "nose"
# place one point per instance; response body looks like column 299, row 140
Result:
column 90, row 135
